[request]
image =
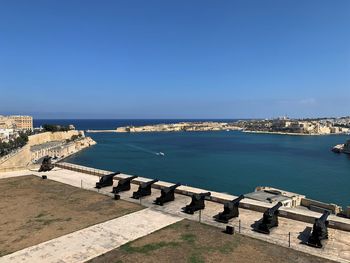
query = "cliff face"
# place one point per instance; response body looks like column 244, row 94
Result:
column 22, row 159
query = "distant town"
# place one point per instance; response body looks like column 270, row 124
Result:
column 283, row 125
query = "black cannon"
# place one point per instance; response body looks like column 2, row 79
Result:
column 270, row 219
column 167, row 194
column 106, row 180
column 230, row 210
column 197, row 203
column 46, row 164
column 123, row 185
column 319, row 231
column 144, row 189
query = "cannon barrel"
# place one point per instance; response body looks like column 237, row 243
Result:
column 324, row 217
column 271, row 211
column 269, row 220
column 128, row 179
column 230, row 210
column 106, row 180
column 237, row 200
column 146, row 184
column 123, row 185
column 319, row 231
column 46, row 164
column 197, row 203
column 167, row 194
column 144, row 189
column 171, row 188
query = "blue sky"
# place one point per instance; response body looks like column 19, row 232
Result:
column 175, row 59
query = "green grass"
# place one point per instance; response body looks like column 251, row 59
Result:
column 195, row 258
column 190, row 238
column 148, row 247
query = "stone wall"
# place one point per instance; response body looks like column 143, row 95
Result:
column 52, row 136
column 318, row 206
column 22, row 159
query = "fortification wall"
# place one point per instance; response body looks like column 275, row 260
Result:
column 22, row 159
column 292, row 213
column 51, row 136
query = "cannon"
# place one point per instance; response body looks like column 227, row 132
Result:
column 46, row 165
column 230, row 210
column 197, row 203
column 270, row 219
column 167, row 194
column 123, row 185
column 144, row 189
column 319, row 231
column 106, row 180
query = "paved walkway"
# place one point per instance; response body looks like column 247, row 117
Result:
column 93, row 241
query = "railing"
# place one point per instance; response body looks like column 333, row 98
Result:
column 82, row 169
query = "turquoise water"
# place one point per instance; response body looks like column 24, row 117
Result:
column 231, row 162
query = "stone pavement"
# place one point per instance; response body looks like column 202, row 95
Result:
column 93, row 241
column 337, row 247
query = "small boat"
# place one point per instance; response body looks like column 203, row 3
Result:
column 161, row 154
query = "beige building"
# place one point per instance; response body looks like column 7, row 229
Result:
column 16, row 122
column 6, row 123
column 53, row 149
column 22, row 122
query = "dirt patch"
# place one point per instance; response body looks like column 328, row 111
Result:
column 34, row 210
column 188, row 241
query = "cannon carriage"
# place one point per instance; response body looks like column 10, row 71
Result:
column 46, row 164
column 106, row 180
column 167, row 194
column 144, row 189
column 123, row 185
column 230, row 210
column 319, row 231
column 197, row 203
column 270, row 219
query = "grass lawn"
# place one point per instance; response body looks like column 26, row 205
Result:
column 34, row 210
column 188, row 241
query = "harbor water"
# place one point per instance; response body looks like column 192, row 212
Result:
column 232, row 162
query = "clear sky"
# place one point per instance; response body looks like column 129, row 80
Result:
column 175, row 58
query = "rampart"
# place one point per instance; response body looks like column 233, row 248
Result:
column 22, row 158
column 303, row 215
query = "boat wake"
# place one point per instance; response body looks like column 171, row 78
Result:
column 145, row 150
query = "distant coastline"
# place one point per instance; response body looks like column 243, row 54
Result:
column 281, row 126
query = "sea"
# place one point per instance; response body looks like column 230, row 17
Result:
column 225, row 161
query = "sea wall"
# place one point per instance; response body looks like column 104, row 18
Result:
column 292, row 213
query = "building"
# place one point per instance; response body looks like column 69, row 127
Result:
column 6, row 123
column 53, row 149
column 22, row 122
column 274, row 195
